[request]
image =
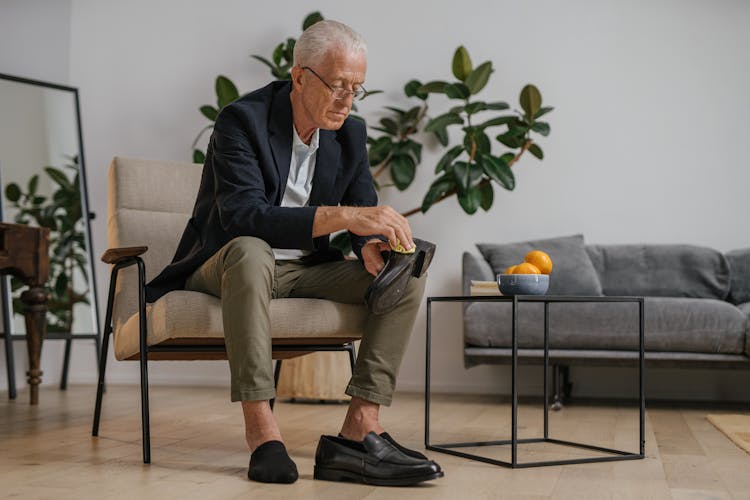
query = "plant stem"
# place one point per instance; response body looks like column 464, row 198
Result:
column 452, row 192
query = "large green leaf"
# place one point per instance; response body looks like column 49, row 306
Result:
column 379, row 150
column 33, row 184
column 226, row 92
column 278, row 54
column 389, row 125
column 479, row 77
column 199, row 156
column 443, row 121
column 457, row 91
column 488, row 195
column 479, row 138
column 510, row 140
column 448, row 158
column 436, row 86
column 264, row 61
column 311, row 19
column 541, row 127
column 473, row 107
column 536, row 151
column 498, row 171
column 466, row 174
column 543, row 111
column 499, row 105
column 59, row 177
column 500, row 120
column 402, row 171
column 12, row 192
column 531, row 100
column 470, row 200
column 437, row 190
column 413, row 148
column 411, row 89
column 210, row 112
column 442, row 136
column 461, row 63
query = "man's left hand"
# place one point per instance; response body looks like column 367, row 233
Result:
column 371, row 255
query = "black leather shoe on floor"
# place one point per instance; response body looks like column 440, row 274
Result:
column 389, row 285
column 373, row 461
column 403, row 449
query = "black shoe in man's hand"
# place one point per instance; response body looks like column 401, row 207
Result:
column 386, row 290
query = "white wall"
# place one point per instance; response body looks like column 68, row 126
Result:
column 647, row 140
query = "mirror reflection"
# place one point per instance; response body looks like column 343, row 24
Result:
column 43, row 184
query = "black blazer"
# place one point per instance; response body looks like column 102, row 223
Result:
column 243, row 181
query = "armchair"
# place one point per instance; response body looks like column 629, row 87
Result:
column 149, row 204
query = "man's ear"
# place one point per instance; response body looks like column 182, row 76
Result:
column 296, row 74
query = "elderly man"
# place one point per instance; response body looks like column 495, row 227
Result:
column 285, row 168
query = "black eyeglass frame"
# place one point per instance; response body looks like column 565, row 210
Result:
column 340, row 93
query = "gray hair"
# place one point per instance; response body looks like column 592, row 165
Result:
column 322, row 37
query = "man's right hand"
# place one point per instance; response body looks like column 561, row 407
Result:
column 364, row 221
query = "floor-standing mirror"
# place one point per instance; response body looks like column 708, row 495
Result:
column 43, row 180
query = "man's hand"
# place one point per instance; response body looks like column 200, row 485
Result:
column 363, row 221
column 372, row 257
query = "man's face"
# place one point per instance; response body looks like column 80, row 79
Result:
column 338, row 68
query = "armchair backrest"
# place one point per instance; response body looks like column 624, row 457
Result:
column 149, row 203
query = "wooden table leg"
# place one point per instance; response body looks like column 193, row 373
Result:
column 35, row 311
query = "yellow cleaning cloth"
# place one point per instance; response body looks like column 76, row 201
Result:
column 400, row 249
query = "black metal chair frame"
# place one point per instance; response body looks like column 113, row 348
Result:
column 145, row 349
column 450, row 448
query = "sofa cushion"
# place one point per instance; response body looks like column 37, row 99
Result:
column 671, row 325
column 572, row 272
column 739, row 265
column 661, row 270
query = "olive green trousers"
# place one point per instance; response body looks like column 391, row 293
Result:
column 245, row 275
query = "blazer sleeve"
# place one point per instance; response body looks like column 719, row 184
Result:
column 241, row 183
column 361, row 193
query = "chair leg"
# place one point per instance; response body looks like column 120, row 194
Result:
column 66, row 364
column 276, row 373
column 145, row 425
column 97, row 351
column 352, row 355
column 102, row 354
column 100, row 386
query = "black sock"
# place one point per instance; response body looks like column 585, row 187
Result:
column 270, row 463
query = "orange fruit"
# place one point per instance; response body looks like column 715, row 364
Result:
column 526, row 268
column 539, row 259
column 509, row 270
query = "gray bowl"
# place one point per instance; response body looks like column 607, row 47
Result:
column 523, row 284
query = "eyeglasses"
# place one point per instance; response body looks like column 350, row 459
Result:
column 339, row 93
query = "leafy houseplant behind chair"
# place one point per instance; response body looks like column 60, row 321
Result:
column 186, row 325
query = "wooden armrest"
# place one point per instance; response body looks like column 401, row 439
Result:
column 114, row 255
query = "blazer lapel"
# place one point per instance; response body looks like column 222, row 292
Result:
column 327, row 167
column 280, row 136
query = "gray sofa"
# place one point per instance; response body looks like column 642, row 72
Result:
column 697, row 306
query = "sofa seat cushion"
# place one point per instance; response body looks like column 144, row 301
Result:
column 572, row 271
column 671, row 324
column 183, row 314
column 661, row 270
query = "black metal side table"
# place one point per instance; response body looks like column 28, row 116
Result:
column 450, row 448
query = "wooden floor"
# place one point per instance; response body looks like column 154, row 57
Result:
column 199, row 450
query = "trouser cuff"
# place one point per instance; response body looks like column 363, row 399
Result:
column 373, row 397
column 253, row 394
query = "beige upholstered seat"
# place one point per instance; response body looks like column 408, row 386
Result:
column 149, row 204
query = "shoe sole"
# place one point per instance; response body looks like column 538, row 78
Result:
column 326, row 474
column 425, row 252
